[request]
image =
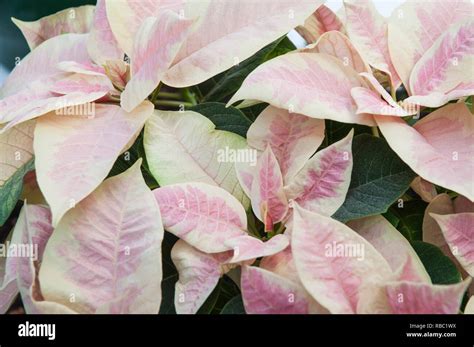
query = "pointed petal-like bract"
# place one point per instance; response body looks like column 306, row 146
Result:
column 338, row 45
column 118, row 72
column 245, row 172
column 293, row 137
column 414, row 27
column 101, row 42
column 313, row 84
column 33, row 228
column 185, row 147
column 72, row 20
column 107, row 247
column 367, row 29
column 378, row 101
column 248, row 248
column 323, row 20
column 198, row 276
column 42, row 62
column 440, row 205
column 333, row 261
column 458, row 230
column 81, row 83
column 391, row 244
column 265, row 292
column 75, row 153
column 80, row 68
column 281, row 263
column 421, row 298
column 269, row 202
column 156, row 44
column 442, row 69
column 437, row 99
column 321, row 185
column 8, row 293
column 439, row 148
column 203, row 215
column 220, row 38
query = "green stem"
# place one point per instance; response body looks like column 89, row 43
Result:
column 270, row 234
column 154, row 95
column 172, row 103
column 252, row 228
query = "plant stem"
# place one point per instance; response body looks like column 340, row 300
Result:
column 393, row 92
column 280, row 229
column 172, row 103
column 375, row 131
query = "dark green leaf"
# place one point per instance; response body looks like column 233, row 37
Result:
column 11, row 190
column 234, row 306
column 410, row 218
column 252, row 112
column 166, row 246
column 379, row 177
column 129, row 157
column 225, row 118
column 210, row 302
column 441, row 269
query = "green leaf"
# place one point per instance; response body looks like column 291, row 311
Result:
column 234, row 306
column 11, row 190
column 225, row 118
column 166, row 246
column 211, row 301
column 379, row 177
column 336, row 131
column 441, row 269
column 221, row 87
column 410, row 218
column 167, row 294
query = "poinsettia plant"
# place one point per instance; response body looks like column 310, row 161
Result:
column 185, row 157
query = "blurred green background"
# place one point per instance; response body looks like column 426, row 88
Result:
column 12, row 43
